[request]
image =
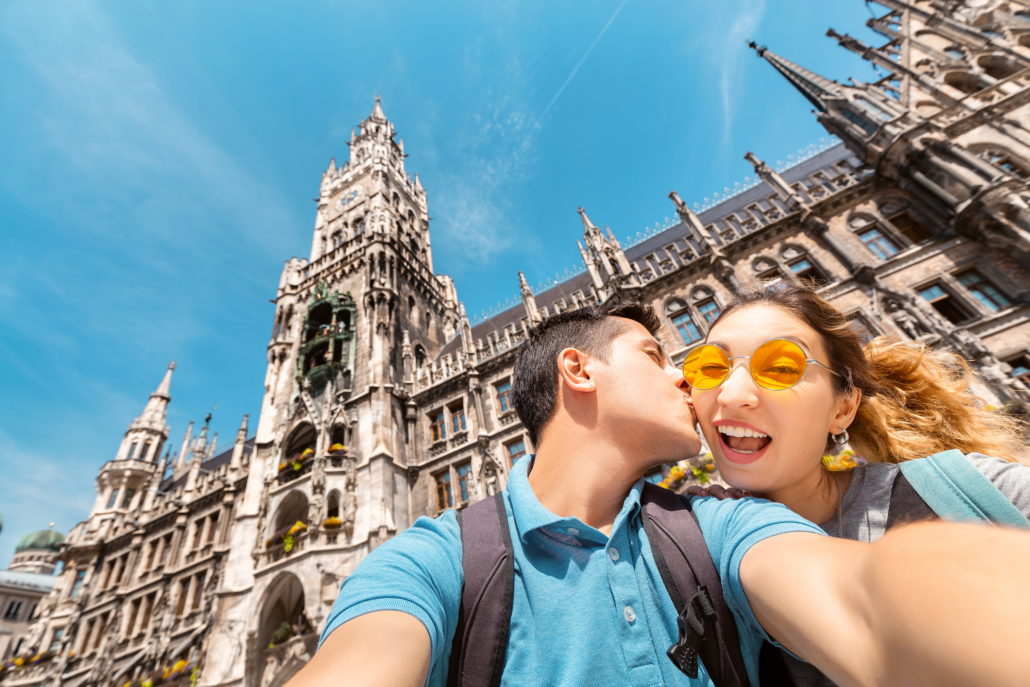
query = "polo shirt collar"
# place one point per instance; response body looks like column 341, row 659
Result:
column 531, row 515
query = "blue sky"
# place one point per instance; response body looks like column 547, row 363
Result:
column 160, row 160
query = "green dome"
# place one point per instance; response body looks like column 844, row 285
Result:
column 44, row 539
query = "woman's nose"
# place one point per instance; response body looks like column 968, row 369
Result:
column 739, row 389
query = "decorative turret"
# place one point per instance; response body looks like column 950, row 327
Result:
column 237, row 449
column 605, row 252
column 775, row 182
column 528, row 300
column 148, row 432
column 721, row 266
column 864, row 117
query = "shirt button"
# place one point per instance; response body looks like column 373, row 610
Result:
column 613, row 553
column 629, row 613
column 573, row 531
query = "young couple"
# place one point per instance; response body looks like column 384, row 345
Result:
column 930, row 603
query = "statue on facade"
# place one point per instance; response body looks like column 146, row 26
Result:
column 350, row 507
column 315, row 510
column 318, row 475
column 905, row 321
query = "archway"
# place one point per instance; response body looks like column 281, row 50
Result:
column 286, row 637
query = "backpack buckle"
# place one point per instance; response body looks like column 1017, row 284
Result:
column 691, row 622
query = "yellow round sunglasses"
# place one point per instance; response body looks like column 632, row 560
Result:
column 775, row 365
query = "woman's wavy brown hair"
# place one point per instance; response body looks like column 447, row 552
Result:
column 915, row 401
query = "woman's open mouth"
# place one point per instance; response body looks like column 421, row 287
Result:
column 742, row 444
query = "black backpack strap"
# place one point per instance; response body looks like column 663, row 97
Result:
column 488, row 563
column 906, row 505
column 706, row 625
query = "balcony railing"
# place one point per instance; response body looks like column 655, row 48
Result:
column 277, row 552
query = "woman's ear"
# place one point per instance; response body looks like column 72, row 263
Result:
column 847, row 407
column 574, row 370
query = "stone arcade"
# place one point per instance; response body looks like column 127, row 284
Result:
column 383, row 403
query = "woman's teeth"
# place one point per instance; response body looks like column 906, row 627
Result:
column 743, row 440
column 741, row 432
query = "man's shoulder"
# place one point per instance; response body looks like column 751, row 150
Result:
column 735, row 521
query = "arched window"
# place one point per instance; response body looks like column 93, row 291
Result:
column 956, row 51
column 964, row 81
column 998, row 66
column 803, row 267
column 1005, row 160
column 359, row 227
column 679, row 314
column 704, row 301
column 132, row 450
column 332, row 509
column 146, row 450
column 766, row 269
column 420, row 357
column 412, row 314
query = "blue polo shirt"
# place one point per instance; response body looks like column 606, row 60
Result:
column 588, row 609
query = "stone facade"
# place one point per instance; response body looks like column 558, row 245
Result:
column 383, row 403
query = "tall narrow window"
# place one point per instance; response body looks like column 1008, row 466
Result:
column 457, row 419
column 151, row 554
column 684, row 323
column 709, row 310
column 861, row 328
column 1021, row 368
column 212, row 528
column 463, row 480
column 943, row 303
column 130, row 629
column 504, row 396
column 913, row 230
column 132, row 450
column 80, row 575
column 198, row 590
column 443, row 491
column 127, row 498
column 983, row 291
column 13, row 609
column 184, row 590
column 166, row 546
column 55, row 639
column 114, row 498
column 881, row 246
column 804, row 270
column 148, row 608
column 198, row 531
column 516, row 450
column 436, row 426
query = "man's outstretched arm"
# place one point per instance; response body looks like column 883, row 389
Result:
column 929, row 604
column 381, row 649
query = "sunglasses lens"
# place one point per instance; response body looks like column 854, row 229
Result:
column 705, row 367
column 778, row 364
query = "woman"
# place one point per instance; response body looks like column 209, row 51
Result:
column 783, row 377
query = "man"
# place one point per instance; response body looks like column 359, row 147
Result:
column 602, row 404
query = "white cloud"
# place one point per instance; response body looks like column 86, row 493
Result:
column 730, row 50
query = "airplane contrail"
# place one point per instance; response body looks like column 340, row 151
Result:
column 575, row 69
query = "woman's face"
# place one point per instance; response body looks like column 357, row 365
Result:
column 791, row 424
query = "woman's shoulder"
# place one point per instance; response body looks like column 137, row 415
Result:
column 1011, row 479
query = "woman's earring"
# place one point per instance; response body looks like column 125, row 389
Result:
column 840, row 439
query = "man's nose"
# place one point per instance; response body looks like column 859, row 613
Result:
column 677, row 378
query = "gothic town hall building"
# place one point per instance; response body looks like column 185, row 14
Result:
column 382, row 402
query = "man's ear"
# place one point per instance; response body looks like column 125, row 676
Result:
column 847, row 407
column 574, row 369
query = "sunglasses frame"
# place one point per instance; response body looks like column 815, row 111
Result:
column 730, row 358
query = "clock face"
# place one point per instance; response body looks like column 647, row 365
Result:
column 348, row 198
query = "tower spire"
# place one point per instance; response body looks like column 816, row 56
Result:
column 817, row 89
column 377, row 111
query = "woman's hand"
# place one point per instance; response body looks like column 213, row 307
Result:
column 718, row 491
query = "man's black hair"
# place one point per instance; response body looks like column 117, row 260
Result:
column 534, row 389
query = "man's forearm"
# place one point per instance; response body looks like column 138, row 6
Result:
column 382, row 649
column 950, row 604
column 930, row 604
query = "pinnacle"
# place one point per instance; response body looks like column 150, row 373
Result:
column 377, row 111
